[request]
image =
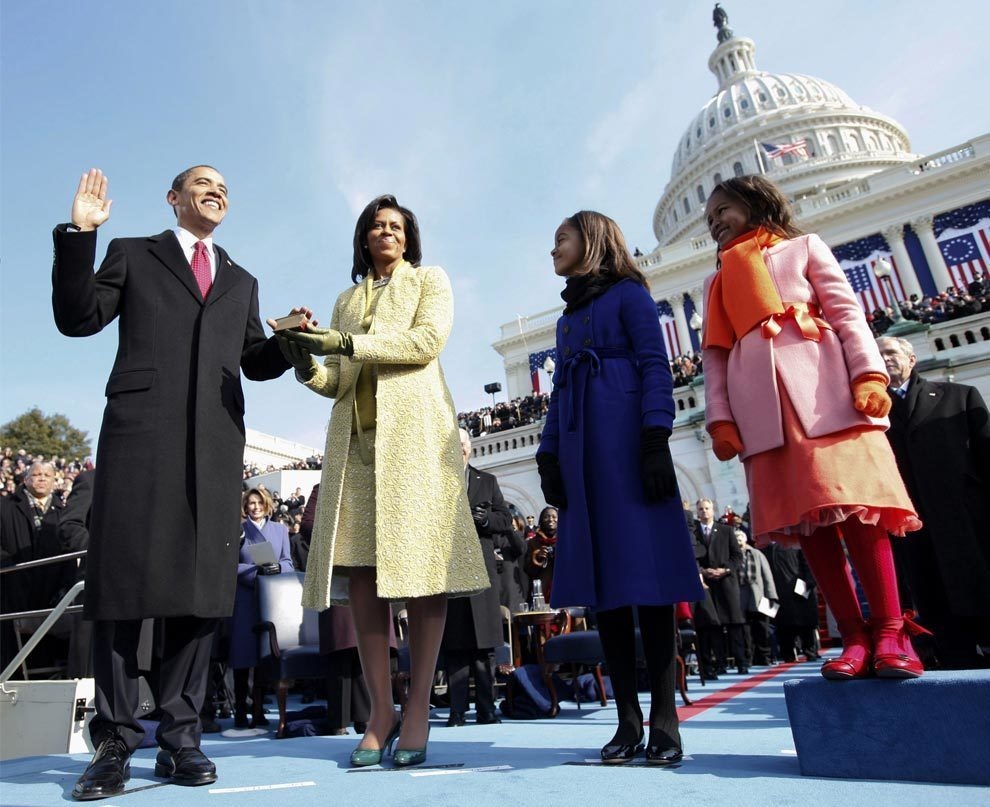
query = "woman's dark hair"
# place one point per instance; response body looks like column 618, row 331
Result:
column 605, row 247
column 362, row 259
column 766, row 203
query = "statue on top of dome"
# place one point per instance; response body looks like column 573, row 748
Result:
column 721, row 21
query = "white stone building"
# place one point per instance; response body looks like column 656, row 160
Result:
column 853, row 180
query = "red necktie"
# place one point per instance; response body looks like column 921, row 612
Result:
column 201, row 268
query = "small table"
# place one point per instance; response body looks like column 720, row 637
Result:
column 543, row 621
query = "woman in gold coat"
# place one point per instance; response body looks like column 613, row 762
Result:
column 393, row 514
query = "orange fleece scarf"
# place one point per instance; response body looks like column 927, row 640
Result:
column 742, row 295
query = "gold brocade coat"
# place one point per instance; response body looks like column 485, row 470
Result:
column 426, row 542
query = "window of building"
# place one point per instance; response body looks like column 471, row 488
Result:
column 737, row 169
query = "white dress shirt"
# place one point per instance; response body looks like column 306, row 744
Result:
column 188, row 243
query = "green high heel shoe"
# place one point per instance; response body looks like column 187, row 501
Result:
column 363, row 757
column 405, row 757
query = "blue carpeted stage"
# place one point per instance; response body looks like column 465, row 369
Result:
column 737, row 738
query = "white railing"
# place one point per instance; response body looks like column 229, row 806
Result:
column 968, row 331
column 513, row 444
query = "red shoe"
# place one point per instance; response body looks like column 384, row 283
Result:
column 857, row 653
column 894, row 657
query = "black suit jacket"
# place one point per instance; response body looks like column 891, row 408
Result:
column 722, row 552
column 165, row 518
column 476, row 622
column 940, row 434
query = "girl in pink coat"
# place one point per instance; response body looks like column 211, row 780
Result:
column 795, row 387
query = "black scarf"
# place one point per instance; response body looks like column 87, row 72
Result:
column 583, row 289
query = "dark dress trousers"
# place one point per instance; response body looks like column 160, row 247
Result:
column 474, row 624
column 940, row 434
column 21, row 540
column 165, row 519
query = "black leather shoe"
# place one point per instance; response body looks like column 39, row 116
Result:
column 621, row 753
column 655, row 755
column 455, row 719
column 106, row 775
column 487, row 719
column 742, row 670
column 187, row 766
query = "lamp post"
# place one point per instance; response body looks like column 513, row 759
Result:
column 696, row 323
column 549, row 365
column 899, row 325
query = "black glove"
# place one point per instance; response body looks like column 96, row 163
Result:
column 269, row 568
column 659, row 479
column 551, row 480
column 480, row 514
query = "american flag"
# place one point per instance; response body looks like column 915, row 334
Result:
column 965, row 241
column 774, row 150
column 671, row 342
column 536, row 365
column 858, row 259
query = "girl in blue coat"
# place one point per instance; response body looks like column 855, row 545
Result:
column 605, row 463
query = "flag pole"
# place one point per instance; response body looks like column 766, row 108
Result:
column 759, row 157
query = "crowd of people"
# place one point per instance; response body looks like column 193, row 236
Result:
column 311, row 463
column 686, row 368
column 953, row 303
column 505, row 415
column 15, row 463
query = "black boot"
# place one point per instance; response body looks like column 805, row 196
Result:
column 617, row 633
column 656, row 623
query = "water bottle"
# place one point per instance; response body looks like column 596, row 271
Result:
column 539, row 604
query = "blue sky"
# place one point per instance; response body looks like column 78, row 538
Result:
column 492, row 121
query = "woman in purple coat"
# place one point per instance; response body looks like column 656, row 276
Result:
column 605, row 464
column 256, row 507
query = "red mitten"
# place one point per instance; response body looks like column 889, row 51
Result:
column 870, row 394
column 726, row 442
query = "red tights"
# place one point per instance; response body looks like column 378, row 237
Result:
column 869, row 549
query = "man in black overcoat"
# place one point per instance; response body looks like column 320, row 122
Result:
column 29, row 520
column 718, row 555
column 940, row 433
column 165, row 518
column 474, row 624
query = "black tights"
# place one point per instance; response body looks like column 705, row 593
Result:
column 617, row 631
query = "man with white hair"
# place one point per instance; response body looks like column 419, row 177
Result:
column 940, row 434
column 29, row 531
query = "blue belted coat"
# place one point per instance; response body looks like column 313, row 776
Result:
column 613, row 378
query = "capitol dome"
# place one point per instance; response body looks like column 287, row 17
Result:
column 827, row 137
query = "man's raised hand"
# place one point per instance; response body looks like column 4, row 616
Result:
column 90, row 207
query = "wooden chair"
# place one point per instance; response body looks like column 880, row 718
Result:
column 289, row 636
column 576, row 648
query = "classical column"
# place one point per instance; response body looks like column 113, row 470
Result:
column 926, row 234
column 680, row 321
column 909, row 278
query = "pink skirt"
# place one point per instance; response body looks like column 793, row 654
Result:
column 817, row 482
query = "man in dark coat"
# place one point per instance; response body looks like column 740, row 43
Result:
column 474, row 624
column 165, row 518
column 718, row 556
column 29, row 520
column 797, row 618
column 940, row 433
